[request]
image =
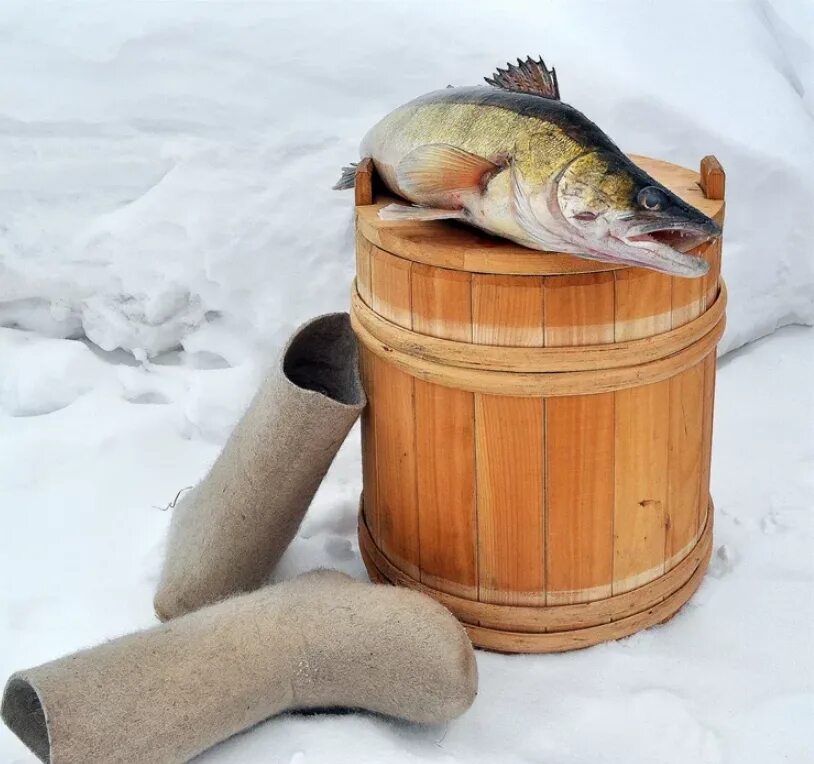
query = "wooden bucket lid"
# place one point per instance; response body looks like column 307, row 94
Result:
column 460, row 247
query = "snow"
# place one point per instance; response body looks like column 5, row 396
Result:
column 166, row 219
column 730, row 679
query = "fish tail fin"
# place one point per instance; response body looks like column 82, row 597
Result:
column 347, row 179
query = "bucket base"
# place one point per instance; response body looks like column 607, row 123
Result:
column 525, row 629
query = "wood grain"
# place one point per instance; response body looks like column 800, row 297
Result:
column 507, row 310
column 688, row 298
column 397, row 508
column 643, row 304
column 445, row 440
column 390, row 292
column 557, row 642
column 713, row 178
column 541, row 359
column 579, row 310
column 533, row 619
column 712, row 279
column 363, row 183
column 530, row 384
column 640, row 511
column 370, row 482
column 579, row 431
column 510, row 505
column 710, row 365
column 442, row 303
column 685, row 454
column 363, row 256
column 396, row 524
column 445, row 445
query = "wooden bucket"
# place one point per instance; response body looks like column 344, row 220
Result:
column 536, row 448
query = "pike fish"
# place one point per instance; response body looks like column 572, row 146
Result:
column 514, row 160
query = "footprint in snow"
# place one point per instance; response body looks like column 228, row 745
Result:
column 723, row 561
column 149, row 397
column 339, row 548
column 770, row 524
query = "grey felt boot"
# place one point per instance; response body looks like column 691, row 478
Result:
column 322, row 640
column 228, row 533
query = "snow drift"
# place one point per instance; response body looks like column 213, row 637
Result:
column 167, row 167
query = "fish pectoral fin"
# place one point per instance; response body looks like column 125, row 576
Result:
column 439, row 169
column 527, row 77
column 409, row 212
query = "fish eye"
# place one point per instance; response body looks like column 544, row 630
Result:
column 652, row 198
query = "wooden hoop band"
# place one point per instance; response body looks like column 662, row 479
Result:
column 559, row 642
column 558, row 627
column 532, row 359
column 537, row 383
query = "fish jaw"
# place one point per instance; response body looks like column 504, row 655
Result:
column 650, row 250
column 667, row 242
column 654, row 256
column 673, row 257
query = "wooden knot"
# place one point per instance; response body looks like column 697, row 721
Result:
column 650, row 503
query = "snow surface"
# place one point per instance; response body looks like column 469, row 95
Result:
column 729, row 680
column 165, row 221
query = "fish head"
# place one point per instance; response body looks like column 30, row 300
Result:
column 609, row 209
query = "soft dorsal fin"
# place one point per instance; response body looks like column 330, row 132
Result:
column 527, row 77
column 437, row 169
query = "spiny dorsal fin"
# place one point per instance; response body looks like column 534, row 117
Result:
column 528, row 76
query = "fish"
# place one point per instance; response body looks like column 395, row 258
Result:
column 514, row 160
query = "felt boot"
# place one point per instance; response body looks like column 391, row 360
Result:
column 321, row 640
column 228, row 533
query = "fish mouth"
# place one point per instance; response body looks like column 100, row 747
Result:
column 679, row 239
column 665, row 246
